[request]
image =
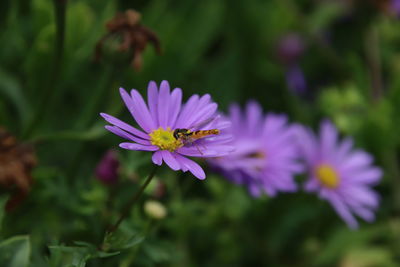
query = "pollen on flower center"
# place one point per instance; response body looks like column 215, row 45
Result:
column 165, row 139
column 327, row 176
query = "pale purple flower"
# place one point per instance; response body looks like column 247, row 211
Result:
column 340, row 174
column 295, row 79
column 395, row 7
column 290, row 48
column 107, row 169
column 164, row 113
column 265, row 158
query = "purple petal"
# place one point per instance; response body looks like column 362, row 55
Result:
column 197, row 152
column 361, row 194
column 170, row 160
column 369, row 176
column 157, row 158
column 343, row 149
column 133, row 146
column 176, row 102
column 124, row 126
column 203, row 114
column 142, row 110
column 356, row 160
column 187, row 110
column 307, row 143
column 123, row 134
column 163, row 104
column 133, row 110
column 152, row 98
column 328, row 138
column 253, row 117
column 363, row 212
column 342, row 210
column 192, row 166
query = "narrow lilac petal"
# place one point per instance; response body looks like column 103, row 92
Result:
column 197, row 152
column 157, row 158
column 328, row 138
column 133, row 146
column 163, row 104
column 192, row 166
column 124, row 126
column 343, row 210
column 152, row 99
column 170, row 160
column 123, row 134
column 135, row 111
column 235, row 115
column 366, row 214
column 142, row 111
column 175, row 107
column 307, row 143
column 190, row 105
column 368, row 176
column 253, row 116
column 191, row 115
column 202, row 115
column 356, row 160
column 344, row 148
column 361, row 211
column 361, row 194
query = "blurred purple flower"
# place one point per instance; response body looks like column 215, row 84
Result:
column 160, row 119
column 339, row 174
column 295, row 80
column 290, row 49
column 265, row 158
column 107, row 169
column 395, row 7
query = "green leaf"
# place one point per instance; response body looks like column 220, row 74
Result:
column 76, row 256
column 123, row 238
column 15, row 251
column 11, row 90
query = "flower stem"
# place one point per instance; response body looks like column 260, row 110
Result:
column 131, row 202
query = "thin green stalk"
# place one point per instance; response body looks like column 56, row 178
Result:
column 132, row 201
column 60, row 8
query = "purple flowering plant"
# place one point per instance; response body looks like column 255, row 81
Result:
column 159, row 119
column 265, row 157
column 340, row 174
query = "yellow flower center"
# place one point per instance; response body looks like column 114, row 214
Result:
column 165, row 139
column 327, row 176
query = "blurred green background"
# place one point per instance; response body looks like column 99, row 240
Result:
column 52, row 90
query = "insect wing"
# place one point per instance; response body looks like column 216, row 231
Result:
column 204, row 123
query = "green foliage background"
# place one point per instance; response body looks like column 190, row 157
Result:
column 51, row 92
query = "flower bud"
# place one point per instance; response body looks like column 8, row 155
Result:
column 107, row 169
column 155, row 209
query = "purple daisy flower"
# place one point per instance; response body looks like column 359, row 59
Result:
column 339, row 174
column 163, row 118
column 265, row 158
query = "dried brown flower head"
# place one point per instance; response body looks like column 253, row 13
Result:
column 16, row 163
column 130, row 35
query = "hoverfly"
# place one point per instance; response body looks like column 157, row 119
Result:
column 188, row 136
